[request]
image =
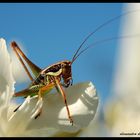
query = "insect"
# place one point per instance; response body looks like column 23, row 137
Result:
column 58, row 75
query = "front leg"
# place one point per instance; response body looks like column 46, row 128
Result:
column 60, row 90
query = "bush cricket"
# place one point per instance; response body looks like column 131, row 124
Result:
column 58, row 75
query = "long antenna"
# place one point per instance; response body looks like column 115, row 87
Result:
column 98, row 28
column 103, row 41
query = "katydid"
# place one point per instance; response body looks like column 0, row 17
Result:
column 58, row 75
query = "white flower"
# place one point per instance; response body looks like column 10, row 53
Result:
column 82, row 100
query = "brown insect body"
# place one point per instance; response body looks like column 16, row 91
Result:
column 61, row 70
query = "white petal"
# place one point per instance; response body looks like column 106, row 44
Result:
column 6, row 85
column 82, row 100
column 6, row 77
column 21, row 118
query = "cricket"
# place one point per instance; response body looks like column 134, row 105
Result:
column 58, row 75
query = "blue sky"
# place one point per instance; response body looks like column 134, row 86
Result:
column 52, row 32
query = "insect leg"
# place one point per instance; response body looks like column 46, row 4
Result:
column 34, row 68
column 42, row 90
column 40, row 110
column 59, row 87
column 24, row 93
column 17, row 108
column 32, row 91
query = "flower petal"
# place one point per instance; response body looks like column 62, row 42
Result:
column 6, row 78
column 82, row 101
column 6, row 85
column 21, row 118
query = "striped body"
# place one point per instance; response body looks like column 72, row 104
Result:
column 61, row 70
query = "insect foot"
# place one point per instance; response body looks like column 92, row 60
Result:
column 17, row 108
column 71, row 121
column 37, row 115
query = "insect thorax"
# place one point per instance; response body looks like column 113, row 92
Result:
column 61, row 70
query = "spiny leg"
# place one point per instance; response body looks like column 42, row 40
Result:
column 40, row 110
column 41, row 91
column 30, row 91
column 14, row 46
column 34, row 68
column 59, row 87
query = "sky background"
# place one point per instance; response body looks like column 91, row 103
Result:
column 52, row 32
